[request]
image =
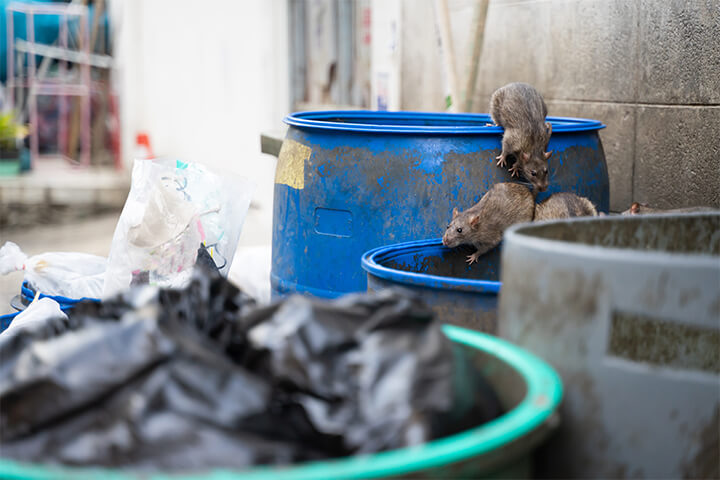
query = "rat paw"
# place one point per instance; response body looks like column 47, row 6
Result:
column 515, row 171
column 472, row 258
column 500, row 160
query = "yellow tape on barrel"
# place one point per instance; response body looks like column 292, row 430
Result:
column 291, row 164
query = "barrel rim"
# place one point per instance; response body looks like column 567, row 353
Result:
column 371, row 264
column 318, row 120
column 517, row 235
column 28, row 293
column 535, row 411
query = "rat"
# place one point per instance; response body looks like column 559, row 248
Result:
column 483, row 224
column 641, row 208
column 564, row 205
column 521, row 111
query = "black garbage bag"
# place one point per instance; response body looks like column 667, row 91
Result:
column 200, row 378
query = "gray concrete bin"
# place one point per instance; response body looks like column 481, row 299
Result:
column 627, row 309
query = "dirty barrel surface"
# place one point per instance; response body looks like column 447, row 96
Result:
column 460, row 294
column 350, row 181
column 628, row 310
column 528, row 389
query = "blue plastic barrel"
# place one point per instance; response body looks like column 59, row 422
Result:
column 350, row 181
column 460, row 294
column 6, row 320
column 27, row 294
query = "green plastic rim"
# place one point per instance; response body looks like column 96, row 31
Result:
column 544, row 392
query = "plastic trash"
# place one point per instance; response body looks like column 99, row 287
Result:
column 198, row 378
column 68, row 274
column 172, row 209
column 251, row 271
column 36, row 313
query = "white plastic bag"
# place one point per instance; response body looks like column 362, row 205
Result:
column 68, row 274
column 38, row 312
column 251, row 272
column 173, row 209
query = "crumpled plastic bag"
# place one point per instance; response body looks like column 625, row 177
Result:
column 200, row 378
column 172, row 209
column 68, row 274
column 36, row 313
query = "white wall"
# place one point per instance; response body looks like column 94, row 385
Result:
column 386, row 54
column 203, row 79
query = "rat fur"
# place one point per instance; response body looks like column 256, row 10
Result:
column 483, row 224
column 521, row 111
column 564, row 205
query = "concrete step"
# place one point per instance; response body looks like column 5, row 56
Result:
column 55, row 192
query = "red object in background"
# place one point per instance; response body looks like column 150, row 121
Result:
column 366, row 16
column 142, row 146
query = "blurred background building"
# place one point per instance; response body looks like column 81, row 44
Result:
column 202, row 80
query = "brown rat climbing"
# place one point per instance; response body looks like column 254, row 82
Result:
column 483, row 224
column 521, row 111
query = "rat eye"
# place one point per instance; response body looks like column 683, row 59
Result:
column 459, row 230
column 533, row 173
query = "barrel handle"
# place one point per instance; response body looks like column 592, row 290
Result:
column 271, row 142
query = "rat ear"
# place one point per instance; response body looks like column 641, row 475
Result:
column 526, row 156
column 474, row 220
column 634, row 208
column 548, row 154
column 456, row 212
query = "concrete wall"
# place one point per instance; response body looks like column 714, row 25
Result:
column 387, row 55
column 648, row 69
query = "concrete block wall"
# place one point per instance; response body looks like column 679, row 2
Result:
column 648, row 69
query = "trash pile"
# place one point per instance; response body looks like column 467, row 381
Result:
column 190, row 379
column 174, row 210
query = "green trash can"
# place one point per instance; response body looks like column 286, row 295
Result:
column 528, row 388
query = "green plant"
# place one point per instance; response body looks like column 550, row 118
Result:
column 10, row 131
